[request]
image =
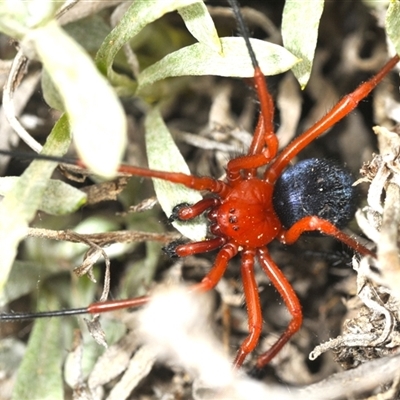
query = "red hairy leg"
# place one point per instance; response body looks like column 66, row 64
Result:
column 313, row 223
column 193, row 182
column 291, row 300
column 191, row 211
column 254, row 313
column 218, row 269
column 227, row 252
column 191, row 248
column 264, row 136
column 347, row 104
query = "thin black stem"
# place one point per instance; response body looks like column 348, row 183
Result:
column 35, row 156
column 243, row 30
column 42, row 314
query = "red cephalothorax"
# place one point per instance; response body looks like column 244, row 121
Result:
column 254, row 224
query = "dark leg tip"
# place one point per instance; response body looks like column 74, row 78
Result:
column 175, row 212
column 257, row 373
column 260, row 374
column 170, row 248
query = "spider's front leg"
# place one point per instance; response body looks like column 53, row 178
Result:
column 264, row 146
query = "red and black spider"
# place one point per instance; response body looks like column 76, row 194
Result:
column 251, row 208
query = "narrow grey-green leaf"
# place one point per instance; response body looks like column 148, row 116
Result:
column 20, row 204
column 17, row 287
column 50, row 93
column 140, row 274
column 97, row 118
column 300, row 22
column 393, row 24
column 199, row 59
column 59, row 197
column 17, row 17
column 139, row 14
column 40, row 374
column 89, row 32
column 199, row 23
column 163, row 154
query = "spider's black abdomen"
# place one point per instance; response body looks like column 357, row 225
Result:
column 315, row 187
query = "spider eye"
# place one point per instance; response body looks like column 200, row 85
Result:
column 315, row 187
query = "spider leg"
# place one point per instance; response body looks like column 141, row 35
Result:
column 193, row 182
column 265, row 132
column 253, row 308
column 207, row 283
column 185, row 211
column 228, row 251
column 264, row 136
column 178, row 249
column 313, row 223
column 340, row 110
column 291, row 300
column 112, row 305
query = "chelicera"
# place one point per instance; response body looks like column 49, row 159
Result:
column 253, row 207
